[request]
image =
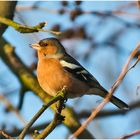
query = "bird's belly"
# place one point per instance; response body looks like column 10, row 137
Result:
column 54, row 80
column 52, row 83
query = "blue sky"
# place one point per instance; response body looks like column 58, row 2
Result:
column 104, row 63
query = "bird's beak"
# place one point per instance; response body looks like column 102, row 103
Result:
column 36, row 46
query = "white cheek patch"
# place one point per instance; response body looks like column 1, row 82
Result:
column 69, row 65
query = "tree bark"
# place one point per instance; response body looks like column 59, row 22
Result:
column 7, row 9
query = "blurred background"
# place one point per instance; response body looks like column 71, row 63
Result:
column 101, row 36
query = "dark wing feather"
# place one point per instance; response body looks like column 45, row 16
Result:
column 79, row 72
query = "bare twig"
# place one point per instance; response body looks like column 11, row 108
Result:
column 115, row 12
column 29, row 80
column 38, row 114
column 137, row 90
column 107, row 113
column 126, row 6
column 5, row 135
column 135, row 63
column 58, row 118
column 83, row 114
column 15, row 132
column 109, row 95
column 137, row 132
column 138, row 4
column 23, row 90
column 26, row 29
column 6, row 10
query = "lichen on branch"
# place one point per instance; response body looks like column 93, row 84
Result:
column 26, row 29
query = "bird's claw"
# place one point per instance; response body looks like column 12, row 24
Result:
column 61, row 117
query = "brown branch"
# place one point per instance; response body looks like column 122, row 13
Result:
column 7, row 9
column 114, row 14
column 107, row 113
column 15, row 132
column 4, row 135
column 29, row 80
column 126, row 6
column 58, row 118
column 47, row 130
column 137, row 132
column 101, row 13
column 38, row 114
column 109, row 95
column 137, row 90
column 138, row 4
column 26, row 29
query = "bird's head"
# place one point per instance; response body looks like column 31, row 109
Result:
column 49, row 47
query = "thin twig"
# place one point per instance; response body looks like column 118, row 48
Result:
column 138, row 4
column 81, row 115
column 57, row 120
column 5, row 135
column 26, row 29
column 126, row 6
column 137, row 90
column 109, row 95
column 16, row 132
column 115, row 12
column 49, row 128
column 108, row 113
column 38, row 114
column 136, row 132
column 28, row 79
column 135, row 63
column 49, row 31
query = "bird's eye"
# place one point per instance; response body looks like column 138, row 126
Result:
column 43, row 44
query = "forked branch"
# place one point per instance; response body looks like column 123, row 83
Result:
column 94, row 113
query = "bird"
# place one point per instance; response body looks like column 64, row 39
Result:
column 57, row 69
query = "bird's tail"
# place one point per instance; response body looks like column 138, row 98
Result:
column 116, row 101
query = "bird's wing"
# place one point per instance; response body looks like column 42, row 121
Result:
column 75, row 68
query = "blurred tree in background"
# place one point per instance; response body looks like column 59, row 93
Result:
column 100, row 35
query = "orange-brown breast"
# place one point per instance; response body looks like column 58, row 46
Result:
column 52, row 78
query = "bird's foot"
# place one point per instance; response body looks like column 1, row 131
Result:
column 61, row 118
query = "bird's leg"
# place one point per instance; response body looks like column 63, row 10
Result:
column 61, row 118
column 62, row 101
column 58, row 111
column 64, row 94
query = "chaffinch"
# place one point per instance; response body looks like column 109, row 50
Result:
column 56, row 69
